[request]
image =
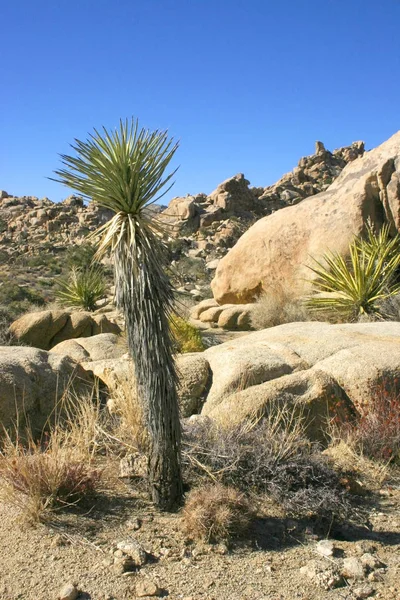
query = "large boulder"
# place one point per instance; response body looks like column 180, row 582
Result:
column 103, row 346
column 48, row 328
column 32, row 383
column 277, row 248
column 311, row 365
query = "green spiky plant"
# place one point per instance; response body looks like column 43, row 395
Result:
column 123, row 171
column 357, row 286
column 82, row 288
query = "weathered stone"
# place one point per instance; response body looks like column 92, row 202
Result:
column 48, row 328
column 68, row 592
column 147, row 588
column 278, row 247
column 194, row 374
column 32, row 382
column 353, row 568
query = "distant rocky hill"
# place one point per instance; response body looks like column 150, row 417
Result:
column 200, row 228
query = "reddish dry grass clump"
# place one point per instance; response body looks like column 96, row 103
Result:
column 377, row 431
column 216, row 513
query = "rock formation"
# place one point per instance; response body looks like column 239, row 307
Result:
column 277, row 248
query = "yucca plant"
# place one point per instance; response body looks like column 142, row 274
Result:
column 82, row 288
column 123, row 171
column 358, row 285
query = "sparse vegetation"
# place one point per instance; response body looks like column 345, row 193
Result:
column 376, row 432
column 357, row 287
column 82, row 288
column 187, row 337
column 271, row 458
column 57, row 471
column 216, row 513
column 276, row 306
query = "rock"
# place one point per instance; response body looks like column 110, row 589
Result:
column 113, row 372
column 147, row 588
column 103, row 346
column 235, row 317
column 325, row 576
column 201, row 307
column 360, row 593
column 48, row 328
column 325, row 548
column 353, row 568
column 311, row 364
column 134, row 551
column 194, row 374
column 277, row 248
column 68, row 592
column 32, row 382
column 371, row 561
column 213, row 264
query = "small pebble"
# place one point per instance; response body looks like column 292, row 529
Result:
column 68, row 592
column 147, row 588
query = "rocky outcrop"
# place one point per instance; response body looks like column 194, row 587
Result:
column 277, row 248
column 311, row 366
column 235, row 198
column 32, row 382
column 48, row 328
column 103, row 346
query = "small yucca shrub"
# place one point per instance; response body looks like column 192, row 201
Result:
column 82, row 288
column 358, row 286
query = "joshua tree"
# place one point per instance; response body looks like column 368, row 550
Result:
column 124, row 172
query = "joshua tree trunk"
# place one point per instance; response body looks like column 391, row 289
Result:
column 146, row 298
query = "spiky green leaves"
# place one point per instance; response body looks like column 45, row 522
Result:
column 122, row 170
column 82, row 288
column 359, row 285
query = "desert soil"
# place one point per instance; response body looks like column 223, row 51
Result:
column 79, row 547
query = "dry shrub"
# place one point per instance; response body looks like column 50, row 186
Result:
column 376, row 433
column 276, row 306
column 271, row 457
column 58, row 470
column 128, row 427
column 364, row 472
column 215, row 513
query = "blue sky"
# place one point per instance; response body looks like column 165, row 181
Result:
column 245, row 85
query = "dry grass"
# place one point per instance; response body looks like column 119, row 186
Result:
column 128, row 427
column 366, row 472
column 58, row 470
column 269, row 458
column 276, row 306
column 216, row 513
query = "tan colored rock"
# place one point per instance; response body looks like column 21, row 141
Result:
column 277, row 248
column 38, row 328
column 211, row 315
column 235, row 317
column 103, row 346
column 201, row 307
column 308, row 364
column 48, row 328
column 113, row 372
column 194, row 375
column 32, row 381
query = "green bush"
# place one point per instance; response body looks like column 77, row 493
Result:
column 358, row 286
column 187, row 337
column 82, row 288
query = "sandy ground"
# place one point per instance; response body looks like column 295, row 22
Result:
column 79, row 547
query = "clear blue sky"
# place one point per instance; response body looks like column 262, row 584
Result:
column 245, row 85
